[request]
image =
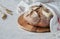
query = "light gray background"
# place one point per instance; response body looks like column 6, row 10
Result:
column 10, row 30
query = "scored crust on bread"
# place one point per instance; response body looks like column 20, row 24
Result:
column 40, row 16
column 36, row 19
column 31, row 28
column 31, row 18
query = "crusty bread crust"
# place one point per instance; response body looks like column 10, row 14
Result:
column 31, row 28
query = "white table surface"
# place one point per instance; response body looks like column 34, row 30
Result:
column 9, row 28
